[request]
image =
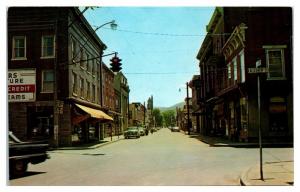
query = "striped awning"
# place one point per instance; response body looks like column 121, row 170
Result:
column 98, row 114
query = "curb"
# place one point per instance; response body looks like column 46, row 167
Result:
column 244, row 176
column 85, row 148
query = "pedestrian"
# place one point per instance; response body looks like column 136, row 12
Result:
column 146, row 131
column 151, row 131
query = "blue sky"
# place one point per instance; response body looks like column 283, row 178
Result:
column 157, row 45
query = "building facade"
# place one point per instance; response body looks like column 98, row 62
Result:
column 60, row 51
column 110, row 106
column 122, row 100
column 237, row 39
column 137, row 114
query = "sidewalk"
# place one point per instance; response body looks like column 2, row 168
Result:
column 223, row 142
column 93, row 145
column 274, row 173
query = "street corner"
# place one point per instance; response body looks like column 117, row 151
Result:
column 279, row 173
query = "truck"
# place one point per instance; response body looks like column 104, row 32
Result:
column 22, row 153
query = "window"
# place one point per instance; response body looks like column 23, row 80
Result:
column 19, row 47
column 242, row 59
column 93, row 93
column 48, row 46
column 73, row 48
column 275, row 63
column 74, row 80
column 88, row 90
column 229, row 71
column 88, row 63
column 81, row 57
column 48, row 81
column 81, row 87
column 93, row 67
column 234, row 69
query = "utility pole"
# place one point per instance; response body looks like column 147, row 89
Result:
column 188, row 108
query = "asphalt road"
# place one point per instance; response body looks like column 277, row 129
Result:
column 162, row 159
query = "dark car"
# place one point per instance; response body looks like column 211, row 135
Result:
column 22, row 153
column 132, row 132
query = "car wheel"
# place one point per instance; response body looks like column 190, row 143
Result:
column 19, row 168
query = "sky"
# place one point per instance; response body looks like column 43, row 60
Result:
column 157, row 45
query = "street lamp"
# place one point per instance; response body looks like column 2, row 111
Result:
column 112, row 23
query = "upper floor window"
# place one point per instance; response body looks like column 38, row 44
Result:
column 93, row 93
column 48, row 46
column 234, row 69
column 88, row 63
column 73, row 48
column 48, row 81
column 229, row 71
column 81, row 87
column 275, row 62
column 74, row 82
column 93, row 67
column 88, row 90
column 81, row 57
column 19, row 47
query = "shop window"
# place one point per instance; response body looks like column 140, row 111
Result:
column 19, row 48
column 278, row 115
column 40, row 122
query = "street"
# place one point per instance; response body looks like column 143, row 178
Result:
column 163, row 158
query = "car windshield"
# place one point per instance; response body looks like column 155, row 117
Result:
column 132, row 129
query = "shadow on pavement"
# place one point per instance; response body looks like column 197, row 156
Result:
column 26, row 174
column 214, row 141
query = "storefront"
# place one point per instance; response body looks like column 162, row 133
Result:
column 86, row 123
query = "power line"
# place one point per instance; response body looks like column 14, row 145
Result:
column 169, row 34
column 158, row 73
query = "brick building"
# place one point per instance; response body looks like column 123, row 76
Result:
column 60, row 51
column 122, row 100
column 239, row 38
column 137, row 114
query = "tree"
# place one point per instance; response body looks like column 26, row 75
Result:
column 158, row 117
column 169, row 117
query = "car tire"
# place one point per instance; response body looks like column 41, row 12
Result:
column 19, row 167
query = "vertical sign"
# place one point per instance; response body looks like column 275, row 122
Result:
column 21, row 85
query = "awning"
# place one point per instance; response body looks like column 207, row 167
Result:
column 98, row 114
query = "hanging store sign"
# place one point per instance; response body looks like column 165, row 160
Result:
column 21, row 85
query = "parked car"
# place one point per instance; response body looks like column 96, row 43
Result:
column 21, row 153
column 132, row 132
column 142, row 131
column 175, row 129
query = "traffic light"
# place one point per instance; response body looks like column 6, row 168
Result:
column 115, row 64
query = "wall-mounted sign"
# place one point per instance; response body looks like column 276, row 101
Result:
column 21, row 85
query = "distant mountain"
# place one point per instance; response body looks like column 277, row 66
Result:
column 173, row 107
